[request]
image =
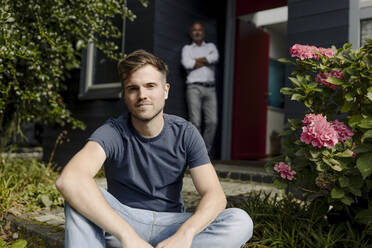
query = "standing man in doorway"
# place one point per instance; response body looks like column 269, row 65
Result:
column 199, row 60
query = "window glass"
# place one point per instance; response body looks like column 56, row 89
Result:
column 365, row 30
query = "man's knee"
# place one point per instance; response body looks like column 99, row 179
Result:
column 242, row 221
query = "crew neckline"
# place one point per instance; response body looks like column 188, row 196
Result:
column 144, row 139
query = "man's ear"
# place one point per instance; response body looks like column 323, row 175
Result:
column 166, row 89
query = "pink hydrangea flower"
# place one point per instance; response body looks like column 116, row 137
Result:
column 309, row 52
column 344, row 133
column 326, row 52
column 318, row 131
column 322, row 77
column 285, row 171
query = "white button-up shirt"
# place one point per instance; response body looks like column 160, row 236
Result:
column 204, row 74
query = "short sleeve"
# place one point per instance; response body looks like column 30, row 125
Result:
column 196, row 150
column 108, row 137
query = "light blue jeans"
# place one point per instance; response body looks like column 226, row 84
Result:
column 231, row 229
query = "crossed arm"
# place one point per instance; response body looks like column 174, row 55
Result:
column 78, row 187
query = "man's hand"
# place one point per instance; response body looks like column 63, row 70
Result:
column 136, row 242
column 176, row 241
column 200, row 62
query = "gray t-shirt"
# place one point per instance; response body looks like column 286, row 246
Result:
column 147, row 173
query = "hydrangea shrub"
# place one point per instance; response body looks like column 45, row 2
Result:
column 328, row 153
column 40, row 42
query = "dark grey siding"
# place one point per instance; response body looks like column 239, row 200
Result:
column 319, row 23
column 172, row 24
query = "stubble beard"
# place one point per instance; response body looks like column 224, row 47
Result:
column 148, row 119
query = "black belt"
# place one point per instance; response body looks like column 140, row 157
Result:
column 203, row 84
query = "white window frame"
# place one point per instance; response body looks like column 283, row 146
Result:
column 358, row 11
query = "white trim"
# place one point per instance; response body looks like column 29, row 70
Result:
column 271, row 16
column 354, row 23
column 267, row 17
column 365, row 3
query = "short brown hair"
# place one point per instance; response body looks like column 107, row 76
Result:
column 137, row 60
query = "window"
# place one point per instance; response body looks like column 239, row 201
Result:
column 365, row 30
column 99, row 77
column 365, row 20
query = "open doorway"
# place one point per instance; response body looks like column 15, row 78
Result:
column 258, row 115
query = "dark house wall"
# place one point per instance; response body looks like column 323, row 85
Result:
column 161, row 28
column 319, row 23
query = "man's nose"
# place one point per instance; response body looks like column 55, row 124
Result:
column 142, row 94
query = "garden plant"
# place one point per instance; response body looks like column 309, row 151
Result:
column 327, row 156
column 40, row 42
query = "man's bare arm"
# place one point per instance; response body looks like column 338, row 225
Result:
column 212, row 202
column 76, row 184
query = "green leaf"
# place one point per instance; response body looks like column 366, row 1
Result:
column 319, row 166
column 314, row 154
column 294, row 81
column 345, row 154
column 337, row 193
column 354, row 120
column 286, row 91
column 367, row 134
column 346, row 107
column 336, row 167
column 362, row 148
column 349, row 97
column 334, row 81
column 366, row 123
column 364, row 164
column 347, row 200
column 20, row 243
column 356, row 181
column 283, row 60
column 344, row 182
column 297, row 97
column 364, row 216
column 2, row 243
column 355, row 191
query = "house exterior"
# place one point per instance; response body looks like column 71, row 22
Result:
column 250, row 36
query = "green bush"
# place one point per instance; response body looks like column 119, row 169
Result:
column 328, row 154
column 40, row 42
column 286, row 222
